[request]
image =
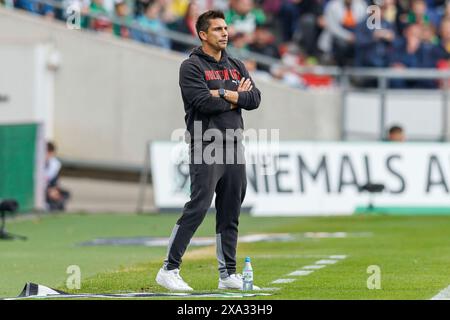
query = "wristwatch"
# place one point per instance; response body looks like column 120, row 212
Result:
column 222, row 93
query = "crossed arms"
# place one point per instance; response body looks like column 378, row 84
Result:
column 245, row 85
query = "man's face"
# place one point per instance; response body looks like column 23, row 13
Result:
column 397, row 136
column 217, row 34
column 243, row 6
column 262, row 36
column 122, row 10
column 413, row 33
column 419, row 7
column 153, row 10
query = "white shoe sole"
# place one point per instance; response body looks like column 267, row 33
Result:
column 224, row 287
column 164, row 285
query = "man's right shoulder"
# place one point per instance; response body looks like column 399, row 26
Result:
column 190, row 64
column 192, row 60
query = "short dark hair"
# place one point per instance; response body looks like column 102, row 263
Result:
column 202, row 23
column 51, row 147
column 395, row 129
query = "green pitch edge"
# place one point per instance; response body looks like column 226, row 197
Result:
column 418, row 211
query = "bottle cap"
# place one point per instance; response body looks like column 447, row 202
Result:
column 247, row 259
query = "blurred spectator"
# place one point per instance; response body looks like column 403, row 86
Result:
column 239, row 42
column 49, row 11
column 445, row 13
column 444, row 43
column 341, row 18
column 288, row 14
column 403, row 9
column 374, row 46
column 28, row 5
column 418, row 13
column 286, row 71
column 445, row 36
column 139, row 7
column 56, row 197
column 310, row 23
column 243, row 17
column 429, row 35
column 186, row 25
column 443, row 51
column 412, row 52
column 171, row 10
column 178, row 8
column 396, row 134
column 205, row 5
column 100, row 21
column 150, row 21
column 334, row 30
column 421, row 14
column 168, row 13
column 435, row 3
column 390, row 11
column 264, row 43
column 272, row 8
column 36, row 7
column 122, row 14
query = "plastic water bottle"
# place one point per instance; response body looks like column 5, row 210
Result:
column 247, row 275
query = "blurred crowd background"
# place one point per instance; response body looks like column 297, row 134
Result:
column 410, row 33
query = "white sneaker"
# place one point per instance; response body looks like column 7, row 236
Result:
column 171, row 279
column 233, row 282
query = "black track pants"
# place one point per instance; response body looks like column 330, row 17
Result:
column 229, row 182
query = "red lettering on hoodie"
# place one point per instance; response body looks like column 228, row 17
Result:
column 222, row 74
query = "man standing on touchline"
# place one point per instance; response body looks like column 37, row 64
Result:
column 215, row 88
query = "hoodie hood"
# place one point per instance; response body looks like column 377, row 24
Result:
column 198, row 51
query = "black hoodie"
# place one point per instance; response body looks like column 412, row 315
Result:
column 201, row 73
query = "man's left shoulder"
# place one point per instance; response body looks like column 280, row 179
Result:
column 237, row 62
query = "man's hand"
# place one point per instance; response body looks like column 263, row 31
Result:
column 215, row 93
column 245, row 85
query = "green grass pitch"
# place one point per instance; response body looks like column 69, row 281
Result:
column 413, row 253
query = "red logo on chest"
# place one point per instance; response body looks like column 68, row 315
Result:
column 225, row 74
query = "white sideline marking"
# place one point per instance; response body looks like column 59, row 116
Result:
column 326, row 262
column 283, row 281
column 314, row 267
column 270, row 289
column 335, row 235
column 291, row 256
column 307, row 270
column 300, row 273
column 443, row 295
column 322, row 235
column 339, row 257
